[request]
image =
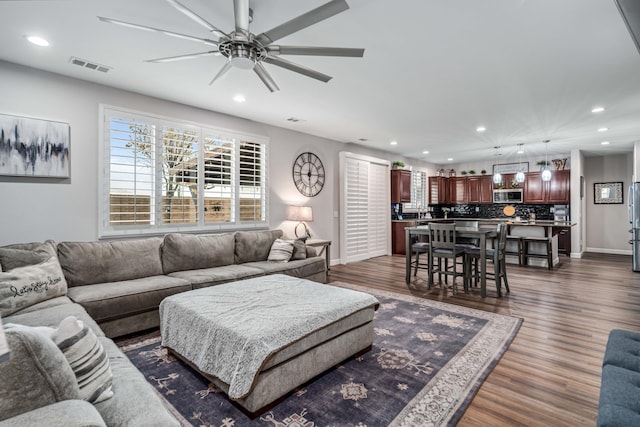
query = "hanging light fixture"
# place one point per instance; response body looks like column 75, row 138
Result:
column 546, row 173
column 497, row 177
column 520, row 173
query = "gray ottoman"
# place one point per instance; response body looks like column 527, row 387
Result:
column 260, row 338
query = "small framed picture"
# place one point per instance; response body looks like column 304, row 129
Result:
column 607, row 193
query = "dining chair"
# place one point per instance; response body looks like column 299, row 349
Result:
column 497, row 254
column 442, row 245
column 417, row 248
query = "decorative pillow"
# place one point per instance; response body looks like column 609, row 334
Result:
column 25, row 286
column 86, row 356
column 21, row 255
column 35, row 375
column 299, row 249
column 281, row 251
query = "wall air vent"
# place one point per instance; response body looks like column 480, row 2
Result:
column 88, row 64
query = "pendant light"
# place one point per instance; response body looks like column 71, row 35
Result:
column 546, row 173
column 497, row 177
column 520, row 173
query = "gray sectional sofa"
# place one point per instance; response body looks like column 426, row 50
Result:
column 115, row 288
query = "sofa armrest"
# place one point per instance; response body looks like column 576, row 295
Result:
column 67, row 413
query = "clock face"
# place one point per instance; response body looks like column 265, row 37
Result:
column 308, row 174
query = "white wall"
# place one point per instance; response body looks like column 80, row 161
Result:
column 35, row 209
column 607, row 227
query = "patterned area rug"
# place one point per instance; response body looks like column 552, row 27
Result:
column 427, row 363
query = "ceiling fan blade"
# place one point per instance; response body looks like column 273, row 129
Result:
column 197, row 18
column 316, row 51
column 303, row 21
column 181, row 57
column 222, row 72
column 297, row 68
column 158, row 30
column 241, row 13
column 265, row 77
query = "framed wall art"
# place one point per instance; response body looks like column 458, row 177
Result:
column 607, row 193
column 33, row 147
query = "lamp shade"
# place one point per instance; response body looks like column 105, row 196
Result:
column 300, row 213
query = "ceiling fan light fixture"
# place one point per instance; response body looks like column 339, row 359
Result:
column 243, row 58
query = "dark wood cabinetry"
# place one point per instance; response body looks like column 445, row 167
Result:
column 458, row 190
column 555, row 191
column 438, row 190
column 398, row 244
column 480, row 189
column 564, row 240
column 400, row 186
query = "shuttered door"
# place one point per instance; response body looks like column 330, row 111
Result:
column 365, row 208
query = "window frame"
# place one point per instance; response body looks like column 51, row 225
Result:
column 108, row 230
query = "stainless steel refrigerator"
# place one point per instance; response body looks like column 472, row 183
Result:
column 633, row 211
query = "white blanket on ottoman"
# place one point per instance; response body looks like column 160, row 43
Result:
column 230, row 330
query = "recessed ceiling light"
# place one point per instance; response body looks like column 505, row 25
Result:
column 450, row 159
column 39, row 41
column 481, row 129
column 425, row 152
column 605, row 143
column 394, row 143
column 239, row 98
column 603, row 129
column 597, row 110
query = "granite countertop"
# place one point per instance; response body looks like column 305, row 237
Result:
column 541, row 222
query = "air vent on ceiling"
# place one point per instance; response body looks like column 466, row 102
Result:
column 88, row 64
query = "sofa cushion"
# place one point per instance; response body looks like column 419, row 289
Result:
column 23, row 254
column 51, row 313
column 135, row 402
column 68, row 413
column 281, row 251
column 86, row 263
column 86, row 356
column 254, row 245
column 620, row 390
column 115, row 300
column 299, row 249
column 217, row 275
column 36, row 375
column 28, row 285
column 191, row 252
column 623, row 350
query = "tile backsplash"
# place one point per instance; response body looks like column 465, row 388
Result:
column 543, row 212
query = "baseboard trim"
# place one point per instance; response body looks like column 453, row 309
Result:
column 610, row 251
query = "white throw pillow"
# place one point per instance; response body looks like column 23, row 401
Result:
column 86, row 356
column 281, row 251
column 25, row 286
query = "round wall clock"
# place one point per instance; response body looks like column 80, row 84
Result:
column 308, row 174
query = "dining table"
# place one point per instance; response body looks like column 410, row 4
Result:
column 481, row 233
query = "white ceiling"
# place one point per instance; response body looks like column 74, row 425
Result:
column 433, row 70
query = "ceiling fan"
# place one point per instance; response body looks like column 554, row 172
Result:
column 247, row 51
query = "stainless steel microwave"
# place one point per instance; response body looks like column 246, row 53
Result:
column 512, row 195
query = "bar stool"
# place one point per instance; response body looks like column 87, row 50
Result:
column 516, row 242
column 546, row 242
column 442, row 244
column 497, row 254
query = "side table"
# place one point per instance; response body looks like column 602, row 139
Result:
column 326, row 249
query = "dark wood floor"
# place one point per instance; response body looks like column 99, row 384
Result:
column 550, row 376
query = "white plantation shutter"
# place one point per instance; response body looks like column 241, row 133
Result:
column 379, row 209
column 365, row 208
column 418, row 191
column 164, row 175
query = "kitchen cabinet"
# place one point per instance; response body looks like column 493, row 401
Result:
column 400, row 186
column 398, row 243
column 438, row 190
column 556, row 191
column 508, row 180
column 458, row 190
column 480, row 189
column 564, row 240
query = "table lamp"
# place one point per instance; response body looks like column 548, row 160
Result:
column 301, row 214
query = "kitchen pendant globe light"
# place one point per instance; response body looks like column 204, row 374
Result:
column 546, row 175
column 497, row 178
column 520, row 177
column 520, row 174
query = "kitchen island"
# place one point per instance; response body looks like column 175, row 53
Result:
column 523, row 229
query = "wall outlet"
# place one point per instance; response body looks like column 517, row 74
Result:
column 477, row 208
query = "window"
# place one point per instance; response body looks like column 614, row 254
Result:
column 418, row 191
column 164, row 175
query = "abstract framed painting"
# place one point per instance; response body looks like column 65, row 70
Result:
column 34, row 147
